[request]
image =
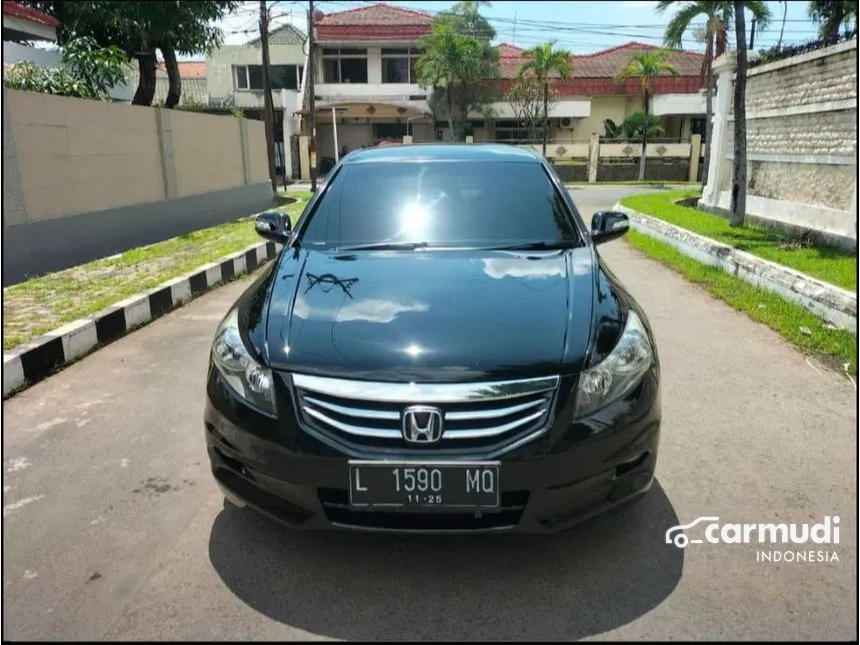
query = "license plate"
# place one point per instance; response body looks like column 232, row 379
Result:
column 428, row 485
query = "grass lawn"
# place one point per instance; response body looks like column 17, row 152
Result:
column 833, row 347
column 44, row 303
column 828, row 264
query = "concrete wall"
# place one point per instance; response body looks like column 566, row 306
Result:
column 593, row 161
column 801, row 142
column 86, row 179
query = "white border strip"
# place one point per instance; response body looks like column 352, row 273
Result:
column 834, row 305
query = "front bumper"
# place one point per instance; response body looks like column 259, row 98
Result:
column 568, row 476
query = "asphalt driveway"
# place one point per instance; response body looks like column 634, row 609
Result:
column 114, row 529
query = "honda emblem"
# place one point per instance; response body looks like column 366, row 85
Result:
column 422, row 424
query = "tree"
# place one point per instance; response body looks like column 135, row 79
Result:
column 187, row 28
column 544, row 61
column 459, row 63
column 831, row 15
column 526, row 100
column 718, row 17
column 784, row 4
column 646, row 66
column 140, row 28
column 738, row 210
column 99, row 68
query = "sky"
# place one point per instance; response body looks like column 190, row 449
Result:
column 581, row 26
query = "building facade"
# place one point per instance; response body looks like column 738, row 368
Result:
column 234, row 77
column 365, row 83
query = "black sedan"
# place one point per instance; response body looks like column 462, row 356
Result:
column 438, row 347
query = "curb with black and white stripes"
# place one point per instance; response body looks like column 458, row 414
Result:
column 33, row 361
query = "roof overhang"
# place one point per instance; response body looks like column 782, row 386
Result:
column 24, row 23
column 15, row 28
column 364, row 109
column 362, row 33
column 576, row 108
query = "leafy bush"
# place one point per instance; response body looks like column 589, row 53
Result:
column 88, row 72
column 213, row 107
column 191, row 105
column 29, row 77
column 631, row 128
column 778, row 53
column 100, row 68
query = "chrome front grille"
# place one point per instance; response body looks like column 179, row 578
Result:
column 474, row 415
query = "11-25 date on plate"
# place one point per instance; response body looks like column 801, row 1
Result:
column 440, row 485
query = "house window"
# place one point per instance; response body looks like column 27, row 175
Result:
column 344, row 66
column 241, row 75
column 286, row 77
column 283, row 77
column 398, row 65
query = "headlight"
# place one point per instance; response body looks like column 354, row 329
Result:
column 249, row 379
column 619, row 372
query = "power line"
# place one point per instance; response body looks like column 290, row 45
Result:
column 530, row 31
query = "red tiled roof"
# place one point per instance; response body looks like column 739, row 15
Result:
column 595, row 73
column 11, row 8
column 189, row 68
column 606, row 63
column 376, row 22
column 377, row 15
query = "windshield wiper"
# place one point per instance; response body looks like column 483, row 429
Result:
column 386, row 246
column 537, row 246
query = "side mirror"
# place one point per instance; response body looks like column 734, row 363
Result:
column 608, row 225
column 274, row 226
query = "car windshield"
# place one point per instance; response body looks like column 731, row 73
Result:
column 441, row 204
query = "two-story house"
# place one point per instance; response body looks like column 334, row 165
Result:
column 365, row 78
column 365, row 83
column 234, row 77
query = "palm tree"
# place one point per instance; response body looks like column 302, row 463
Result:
column 830, row 15
column 449, row 60
column 718, row 16
column 646, row 66
column 544, row 61
column 784, row 4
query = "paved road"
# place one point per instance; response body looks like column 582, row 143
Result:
column 114, row 529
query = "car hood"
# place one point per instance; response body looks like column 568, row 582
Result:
column 432, row 316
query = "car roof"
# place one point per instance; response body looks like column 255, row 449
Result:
column 475, row 152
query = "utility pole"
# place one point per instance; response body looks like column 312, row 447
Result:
column 269, row 109
column 312, row 108
column 752, row 35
